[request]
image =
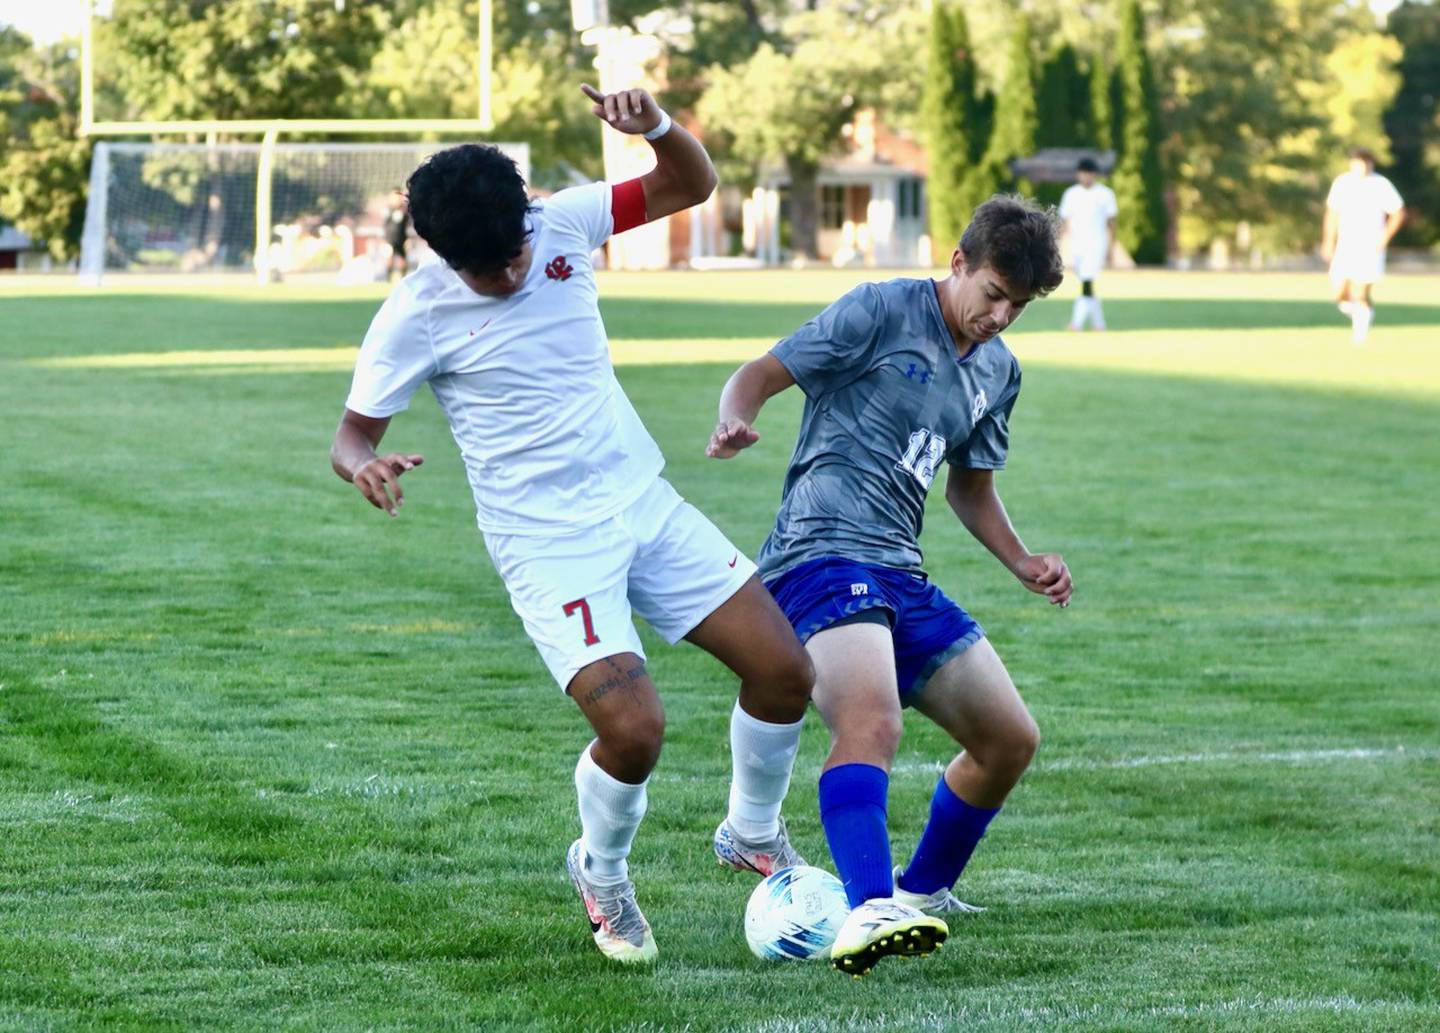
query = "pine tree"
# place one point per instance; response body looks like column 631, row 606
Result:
column 949, row 110
column 1139, row 181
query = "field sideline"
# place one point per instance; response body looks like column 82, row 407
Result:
column 270, row 759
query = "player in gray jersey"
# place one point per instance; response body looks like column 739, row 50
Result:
column 899, row 378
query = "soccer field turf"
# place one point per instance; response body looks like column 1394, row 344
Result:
column 270, row 759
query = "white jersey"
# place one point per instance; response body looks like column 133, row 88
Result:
column 550, row 442
column 1361, row 205
column 1087, row 212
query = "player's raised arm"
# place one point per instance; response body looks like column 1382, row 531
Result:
column 972, row 495
column 353, row 457
column 683, row 175
column 747, row 390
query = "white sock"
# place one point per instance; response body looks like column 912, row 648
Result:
column 610, row 812
column 1347, row 307
column 1360, row 318
column 762, row 755
column 1097, row 314
column 1079, row 312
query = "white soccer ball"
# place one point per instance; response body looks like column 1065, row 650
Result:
column 795, row 914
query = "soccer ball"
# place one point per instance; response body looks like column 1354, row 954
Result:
column 795, row 914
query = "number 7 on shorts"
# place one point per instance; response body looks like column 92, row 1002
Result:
column 584, row 607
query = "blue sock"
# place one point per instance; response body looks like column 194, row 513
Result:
column 950, row 837
column 852, row 809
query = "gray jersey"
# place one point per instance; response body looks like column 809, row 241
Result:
column 886, row 401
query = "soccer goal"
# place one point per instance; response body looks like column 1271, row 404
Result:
column 274, row 208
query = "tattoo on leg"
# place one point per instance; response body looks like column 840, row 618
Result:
column 620, row 678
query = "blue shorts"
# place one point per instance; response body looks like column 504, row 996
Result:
column 928, row 627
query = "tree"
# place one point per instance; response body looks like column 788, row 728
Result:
column 1413, row 119
column 1016, row 118
column 1139, row 180
column 790, row 106
column 1063, row 102
column 44, row 166
column 950, row 124
column 186, row 59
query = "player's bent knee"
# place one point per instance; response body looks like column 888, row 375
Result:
column 634, row 748
column 877, row 738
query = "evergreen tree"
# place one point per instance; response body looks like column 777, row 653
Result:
column 1102, row 110
column 1413, row 121
column 949, row 112
column 1139, row 181
column 1015, row 113
column 1064, row 101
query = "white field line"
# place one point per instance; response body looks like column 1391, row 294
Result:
column 1219, row 757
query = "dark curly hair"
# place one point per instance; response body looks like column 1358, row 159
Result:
column 1016, row 237
column 469, row 204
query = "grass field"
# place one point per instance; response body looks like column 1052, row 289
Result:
column 268, row 759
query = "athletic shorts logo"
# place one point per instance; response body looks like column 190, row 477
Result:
column 733, row 560
column 860, row 588
column 558, row 268
column 978, row 406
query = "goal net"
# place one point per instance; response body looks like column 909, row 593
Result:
column 281, row 208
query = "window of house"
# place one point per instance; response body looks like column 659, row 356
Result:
column 911, row 198
column 832, row 207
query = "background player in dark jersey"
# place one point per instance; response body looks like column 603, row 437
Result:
column 397, row 233
column 899, row 377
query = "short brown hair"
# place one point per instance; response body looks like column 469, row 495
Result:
column 1016, row 237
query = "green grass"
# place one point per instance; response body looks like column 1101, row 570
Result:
column 268, row 759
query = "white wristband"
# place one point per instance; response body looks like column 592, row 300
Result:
column 662, row 128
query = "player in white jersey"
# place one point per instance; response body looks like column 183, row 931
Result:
column 568, row 494
column 1363, row 212
column 1088, row 211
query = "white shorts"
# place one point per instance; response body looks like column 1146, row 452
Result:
column 575, row 592
column 1087, row 263
column 1358, row 265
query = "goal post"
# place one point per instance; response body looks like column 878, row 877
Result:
column 273, row 207
column 142, row 211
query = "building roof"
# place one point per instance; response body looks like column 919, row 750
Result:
column 1057, row 164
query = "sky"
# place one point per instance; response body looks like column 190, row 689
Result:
column 49, row 21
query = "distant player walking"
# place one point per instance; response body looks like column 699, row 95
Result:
column 581, row 527
column 1363, row 212
column 902, row 379
column 397, row 234
column 1088, row 210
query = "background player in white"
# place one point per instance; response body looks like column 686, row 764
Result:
column 1363, row 213
column 1088, row 211
column 568, row 492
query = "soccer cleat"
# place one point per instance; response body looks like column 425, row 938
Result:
column 764, row 858
column 620, row 930
column 939, row 904
column 882, row 927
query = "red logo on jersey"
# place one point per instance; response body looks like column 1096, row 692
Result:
column 558, row 268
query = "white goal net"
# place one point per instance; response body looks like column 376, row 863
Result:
column 240, row 207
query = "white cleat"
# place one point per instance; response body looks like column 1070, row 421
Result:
column 762, row 858
column 883, row 927
column 620, row 930
column 940, row 904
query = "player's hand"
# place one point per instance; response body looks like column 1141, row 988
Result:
column 629, row 111
column 379, row 479
column 729, row 437
column 1046, row 574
